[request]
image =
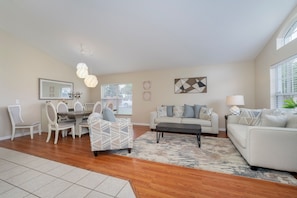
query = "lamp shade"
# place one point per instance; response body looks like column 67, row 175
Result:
column 82, row 70
column 91, row 81
column 235, row 100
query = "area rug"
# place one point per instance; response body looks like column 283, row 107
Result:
column 215, row 154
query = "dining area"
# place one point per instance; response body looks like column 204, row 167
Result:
column 69, row 120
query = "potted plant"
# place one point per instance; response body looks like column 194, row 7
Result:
column 290, row 103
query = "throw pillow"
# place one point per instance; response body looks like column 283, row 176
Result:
column 250, row 117
column 162, row 111
column 292, row 121
column 205, row 113
column 188, row 111
column 274, row 121
column 169, row 111
column 178, row 111
column 197, row 110
column 108, row 115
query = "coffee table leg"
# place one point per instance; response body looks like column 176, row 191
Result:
column 157, row 136
column 198, row 139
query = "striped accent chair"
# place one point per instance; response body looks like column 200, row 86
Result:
column 105, row 135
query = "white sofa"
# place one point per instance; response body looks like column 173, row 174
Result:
column 265, row 138
column 186, row 114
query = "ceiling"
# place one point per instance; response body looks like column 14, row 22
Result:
column 135, row 35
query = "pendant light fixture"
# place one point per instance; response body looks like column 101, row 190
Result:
column 82, row 68
column 91, row 81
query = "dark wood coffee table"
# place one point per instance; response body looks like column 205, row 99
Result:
column 178, row 128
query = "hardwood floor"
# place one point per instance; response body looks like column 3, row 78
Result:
column 149, row 179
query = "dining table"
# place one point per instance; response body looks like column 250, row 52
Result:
column 78, row 116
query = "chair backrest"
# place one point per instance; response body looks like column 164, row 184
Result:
column 51, row 113
column 78, row 106
column 62, row 107
column 15, row 114
column 97, row 107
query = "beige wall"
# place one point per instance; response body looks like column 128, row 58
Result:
column 268, row 57
column 222, row 80
column 20, row 68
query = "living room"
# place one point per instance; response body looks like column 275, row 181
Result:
column 22, row 64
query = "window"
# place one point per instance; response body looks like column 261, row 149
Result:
column 288, row 35
column 120, row 95
column 283, row 78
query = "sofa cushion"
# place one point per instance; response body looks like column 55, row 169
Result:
column 178, row 111
column 188, row 111
column 205, row 113
column 168, row 119
column 108, row 115
column 274, row 121
column 197, row 110
column 250, row 117
column 162, row 111
column 206, row 123
column 292, row 121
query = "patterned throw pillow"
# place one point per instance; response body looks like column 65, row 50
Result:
column 162, row 111
column 205, row 113
column 250, row 117
column 178, row 111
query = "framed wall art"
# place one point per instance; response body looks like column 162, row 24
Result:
column 190, row 85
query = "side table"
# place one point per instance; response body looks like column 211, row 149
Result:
column 226, row 124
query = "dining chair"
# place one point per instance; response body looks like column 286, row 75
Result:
column 17, row 122
column 62, row 108
column 78, row 106
column 97, row 107
column 53, row 125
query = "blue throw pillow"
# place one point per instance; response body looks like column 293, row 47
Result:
column 188, row 111
column 108, row 115
column 169, row 111
column 197, row 110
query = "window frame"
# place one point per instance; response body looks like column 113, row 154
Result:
column 283, row 82
column 118, row 99
column 289, row 31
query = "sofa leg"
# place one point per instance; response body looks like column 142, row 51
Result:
column 95, row 153
column 254, row 168
column 129, row 150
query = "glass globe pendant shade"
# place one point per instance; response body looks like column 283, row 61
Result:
column 82, row 70
column 91, row 81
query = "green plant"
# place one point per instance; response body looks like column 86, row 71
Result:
column 289, row 103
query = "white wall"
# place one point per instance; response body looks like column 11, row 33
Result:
column 270, row 56
column 20, row 67
column 222, row 80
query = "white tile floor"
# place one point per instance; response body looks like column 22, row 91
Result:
column 23, row 175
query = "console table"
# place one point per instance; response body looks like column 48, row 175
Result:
column 178, row 128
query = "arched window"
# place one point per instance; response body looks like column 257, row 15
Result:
column 288, row 34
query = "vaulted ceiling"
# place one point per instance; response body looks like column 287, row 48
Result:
column 133, row 35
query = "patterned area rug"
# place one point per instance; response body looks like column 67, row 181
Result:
column 215, row 154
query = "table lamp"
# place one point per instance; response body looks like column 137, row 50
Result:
column 234, row 101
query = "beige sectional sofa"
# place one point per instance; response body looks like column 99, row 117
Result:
column 187, row 114
column 265, row 138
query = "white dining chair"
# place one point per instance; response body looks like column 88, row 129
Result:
column 17, row 122
column 78, row 106
column 53, row 125
column 63, row 108
column 97, row 107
